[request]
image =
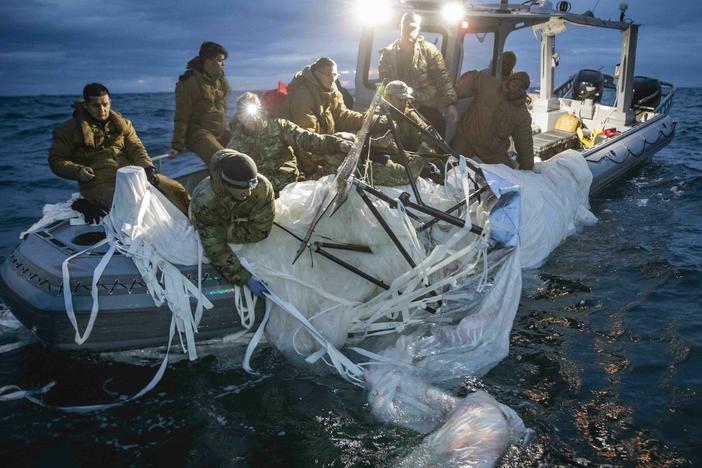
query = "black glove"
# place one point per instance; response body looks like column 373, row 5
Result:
column 152, row 175
column 91, row 212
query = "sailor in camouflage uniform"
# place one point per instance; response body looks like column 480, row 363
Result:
column 420, row 64
column 385, row 170
column 235, row 205
column 270, row 142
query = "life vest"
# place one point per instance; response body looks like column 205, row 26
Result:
column 273, row 98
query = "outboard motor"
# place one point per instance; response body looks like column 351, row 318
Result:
column 589, row 84
column 647, row 93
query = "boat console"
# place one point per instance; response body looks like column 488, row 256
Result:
column 614, row 112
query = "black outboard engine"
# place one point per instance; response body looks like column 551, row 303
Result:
column 647, row 93
column 589, row 84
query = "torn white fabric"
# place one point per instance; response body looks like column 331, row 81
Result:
column 56, row 212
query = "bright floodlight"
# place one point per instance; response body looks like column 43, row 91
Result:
column 251, row 109
column 373, row 12
column 453, row 12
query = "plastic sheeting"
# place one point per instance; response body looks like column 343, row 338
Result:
column 479, row 294
column 476, row 433
column 56, row 212
column 555, row 201
column 319, row 288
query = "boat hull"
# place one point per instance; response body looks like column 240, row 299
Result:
column 31, row 284
column 31, row 279
column 612, row 160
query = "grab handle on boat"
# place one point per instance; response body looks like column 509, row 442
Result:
column 158, row 159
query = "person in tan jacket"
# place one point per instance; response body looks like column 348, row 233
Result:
column 95, row 142
column 200, row 122
column 498, row 112
column 315, row 104
column 413, row 60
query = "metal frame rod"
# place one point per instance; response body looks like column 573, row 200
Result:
column 403, row 156
column 404, row 199
column 384, row 225
column 456, row 221
column 350, row 247
column 316, row 247
column 432, row 222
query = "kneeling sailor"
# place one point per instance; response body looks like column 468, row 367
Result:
column 235, row 205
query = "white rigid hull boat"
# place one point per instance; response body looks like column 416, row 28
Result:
column 638, row 116
column 31, row 278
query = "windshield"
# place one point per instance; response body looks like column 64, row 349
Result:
column 477, row 51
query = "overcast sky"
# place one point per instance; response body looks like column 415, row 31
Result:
column 56, row 46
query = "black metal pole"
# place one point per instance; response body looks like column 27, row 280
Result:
column 351, row 247
column 404, row 198
column 317, row 249
column 432, row 222
column 349, row 267
column 384, row 224
column 403, row 156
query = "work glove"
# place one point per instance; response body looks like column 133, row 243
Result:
column 256, row 286
column 91, row 212
column 152, row 175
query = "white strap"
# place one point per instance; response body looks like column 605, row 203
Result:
column 68, row 297
column 18, row 393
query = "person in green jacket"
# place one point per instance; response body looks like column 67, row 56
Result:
column 420, row 64
column 201, row 104
column 315, row 104
column 497, row 113
column 95, row 142
column 234, row 205
column 271, row 143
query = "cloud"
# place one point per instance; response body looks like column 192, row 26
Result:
column 55, row 46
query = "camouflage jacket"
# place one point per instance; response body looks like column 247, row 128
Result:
column 393, row 174
column 201, row 105
column 81, row 141
column 271, row 148
column 222, row 220
column 426, row 74
column 410, row 136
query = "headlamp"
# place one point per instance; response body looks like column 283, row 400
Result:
column 252, row 109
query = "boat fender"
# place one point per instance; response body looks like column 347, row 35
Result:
column 589, row 141
column 568, row 123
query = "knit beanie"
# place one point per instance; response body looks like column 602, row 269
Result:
column 239, row 170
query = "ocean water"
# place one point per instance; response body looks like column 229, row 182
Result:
column 605, row 361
